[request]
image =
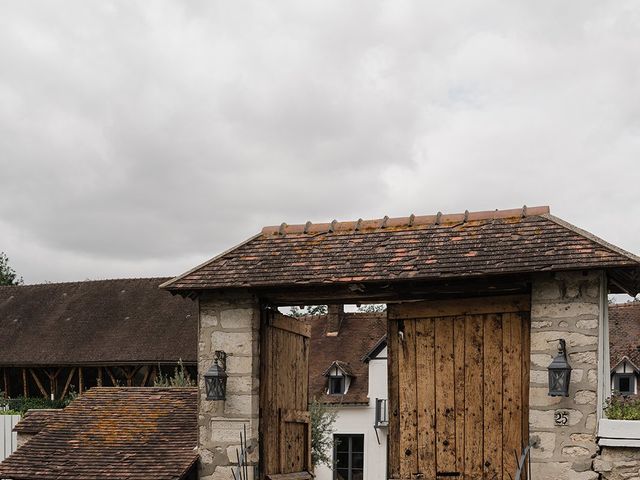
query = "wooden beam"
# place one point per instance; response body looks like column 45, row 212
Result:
column 99, row 376
column 394, row 291
column 111, row 376
column 80, row 381
column 146, row 376
column 67, row 383
column 6, row 382
column 38, row 383
column 25, row 385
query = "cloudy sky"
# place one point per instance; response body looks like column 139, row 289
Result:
column 139, row 138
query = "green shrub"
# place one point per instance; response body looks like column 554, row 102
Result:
column 21, row 404
column 180, row 378
column 623, row 408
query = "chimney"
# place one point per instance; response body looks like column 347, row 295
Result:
column 335, row 315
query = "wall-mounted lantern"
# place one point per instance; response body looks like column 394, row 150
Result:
column 215, row 380
column 560, row 372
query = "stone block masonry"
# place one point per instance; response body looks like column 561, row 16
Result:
column 565, row 305
column 618, row 463
column 231, row 323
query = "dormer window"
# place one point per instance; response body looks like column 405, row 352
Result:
column 336, row 385
column 339, row 377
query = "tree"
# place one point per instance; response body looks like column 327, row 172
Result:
column 372, row 308
column 308, row 310
column 322, row 420
column 8, row 276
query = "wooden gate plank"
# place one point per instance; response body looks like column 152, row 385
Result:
column 445, row 400
column 459, row 388
column 408, row 407
column 525, row 321
column 493, row 396
column 511, row 392
column 393, row 440
column 425, row 393
column 474, row 382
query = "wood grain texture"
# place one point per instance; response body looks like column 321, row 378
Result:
column 492, row 396
column 393, row 440
column 459, row 388
column 408, row 401
column 445, row 395
column 474, row 383
column 462, row 306
column 425, row 394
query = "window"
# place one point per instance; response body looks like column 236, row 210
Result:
column 625, row 384
column 348, row 457
column 336, row 385
column 382, row 418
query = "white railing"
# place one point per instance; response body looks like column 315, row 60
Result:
column 8, row 438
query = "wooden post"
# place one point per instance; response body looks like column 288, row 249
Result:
column 6, row 382
column 67, row 383
column 25, row 385
column 99, row 376
column 80, row 381
column 38, row 383
column 146, row 376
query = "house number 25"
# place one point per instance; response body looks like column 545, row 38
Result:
column 561, row 418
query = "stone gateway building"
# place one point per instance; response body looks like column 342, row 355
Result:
column 477, row 305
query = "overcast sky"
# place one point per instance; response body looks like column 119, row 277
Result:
column 140, row 138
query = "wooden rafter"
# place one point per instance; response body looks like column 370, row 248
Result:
column 146, row 376
column 25, row 385
column 68, row 382
column 80, row 381
column 114, row 382
column 38, row 383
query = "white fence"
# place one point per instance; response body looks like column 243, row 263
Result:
column 8, row 439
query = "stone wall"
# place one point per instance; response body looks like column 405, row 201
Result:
column 618, row 463
column 564, row 305
column 231, row 323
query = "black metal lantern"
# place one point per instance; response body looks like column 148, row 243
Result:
column 560, row 372
column 215, row 380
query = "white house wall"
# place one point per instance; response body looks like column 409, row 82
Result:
column 359, row 420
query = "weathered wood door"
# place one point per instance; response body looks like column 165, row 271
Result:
column 458, row 388
column 285, row 430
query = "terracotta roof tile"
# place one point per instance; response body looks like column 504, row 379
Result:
column 34, row 421
column 624, row 332
column 119, row 433
column 471, row 244
column 96, row 322
column 359, row 332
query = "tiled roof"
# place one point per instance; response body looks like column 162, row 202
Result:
column 96, row 322
column 624, row 332
column 358, row 333
column 411, row 248
column 118, row 433
column 34, row 421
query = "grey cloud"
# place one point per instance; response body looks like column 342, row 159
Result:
column 140, row 138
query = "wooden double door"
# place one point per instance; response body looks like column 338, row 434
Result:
column 458, row 388
column 285, row 429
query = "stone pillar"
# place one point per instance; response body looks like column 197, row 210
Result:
column 231, row 323
column 564, row 305
column 618, row 463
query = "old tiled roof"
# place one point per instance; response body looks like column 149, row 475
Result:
column 344, row 366
column 34, row 421
column 358, row 333
column 96, row 322
column 624, row 332
column 411, row 248
column 118, row 433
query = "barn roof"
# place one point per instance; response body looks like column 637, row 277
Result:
column 127, row 321
column 132, row 433
column 435, row 247
column 624, row 332
column 357, row 335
